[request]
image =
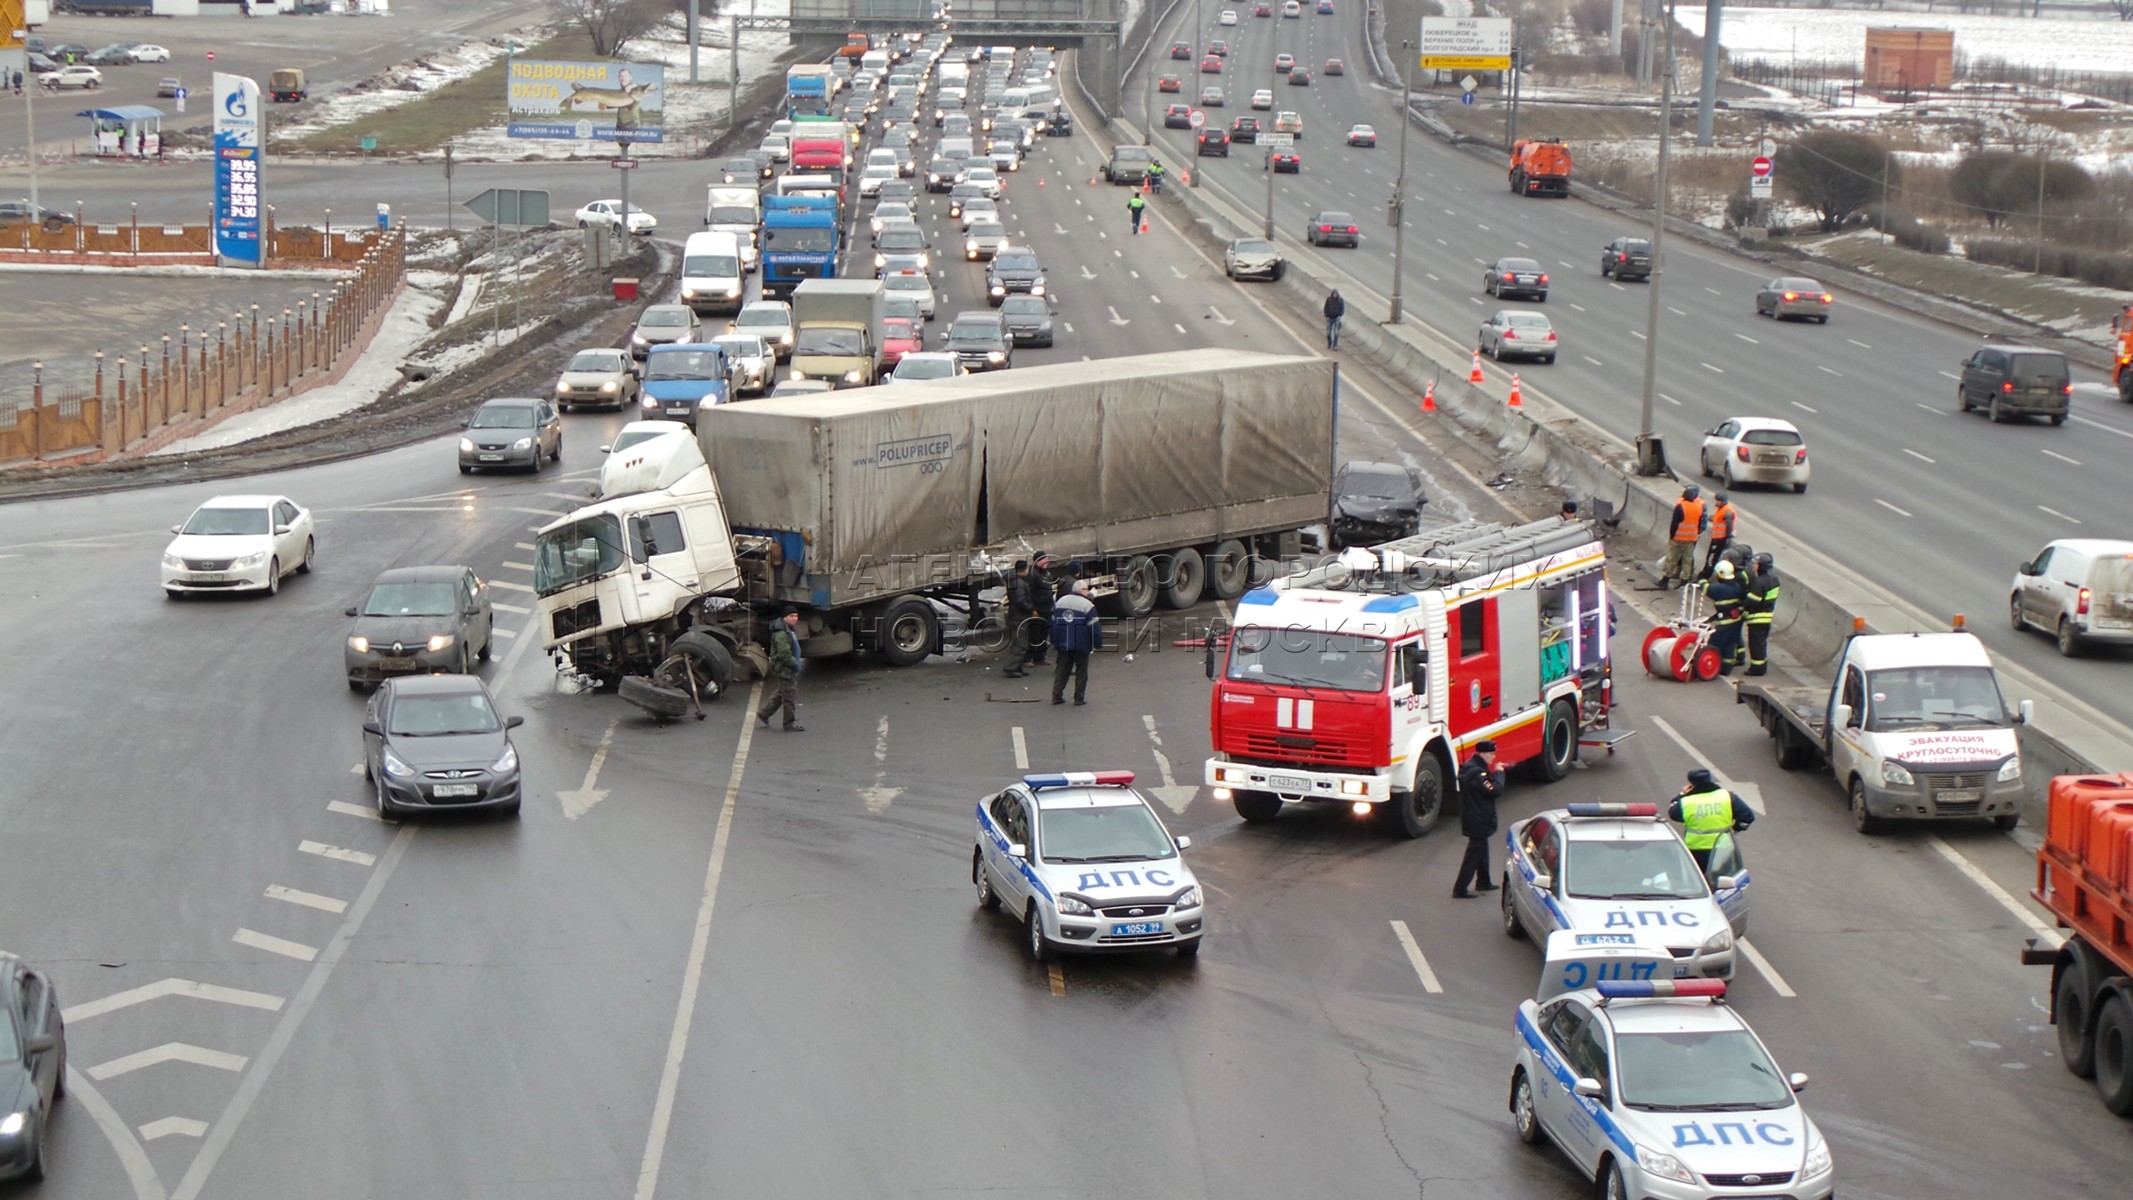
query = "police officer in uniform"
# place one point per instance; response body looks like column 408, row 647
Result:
column 1706, row 811
column 1480, row 783
column 1761, row 605
column 1726, row 594
column 1134, row 205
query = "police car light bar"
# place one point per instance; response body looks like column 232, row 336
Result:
column 1078, row 779
column 1655, row 989
column 1614, row 810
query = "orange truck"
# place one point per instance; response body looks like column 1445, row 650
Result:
column 1540, row 167
column 856, row 46
column 2085, row 877
column 2122, row 355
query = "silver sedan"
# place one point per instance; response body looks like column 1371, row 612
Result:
column 1519, row 333
column 1252, row 258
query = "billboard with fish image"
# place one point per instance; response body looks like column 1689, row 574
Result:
column 586, row 101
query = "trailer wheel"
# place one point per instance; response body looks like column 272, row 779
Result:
column 1188, row 579
column 2114, row 1055
column 1862, row 820
column 1136, row 590
column 2070, row 1012
column 1229, row 569
column 663, row 703
column 909, row 631
column 1257, row 806
column 1559, row 743
column 1793, row 754
column 1414, row 812
column 709, row 662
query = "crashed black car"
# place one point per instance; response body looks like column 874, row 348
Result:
column 1375, row 502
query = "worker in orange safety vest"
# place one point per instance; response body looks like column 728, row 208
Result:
column 1687, row 526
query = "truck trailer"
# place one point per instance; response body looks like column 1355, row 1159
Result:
column 2085, row 877
column 1164, row 476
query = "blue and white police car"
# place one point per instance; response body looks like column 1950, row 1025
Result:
column 1657, row 1089
column 1621, row 868
column 1084, row 862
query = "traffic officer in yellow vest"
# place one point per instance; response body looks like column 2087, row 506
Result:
column 1761, row 605
column 1705, row 811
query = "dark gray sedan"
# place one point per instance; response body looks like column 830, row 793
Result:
column 436, row 743
column 419, row 620
column 665, row 324
column 1028, row 318
column 33, row 1065
column 511, row 432
column 1510, row 278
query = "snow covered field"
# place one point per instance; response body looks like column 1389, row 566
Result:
column 2101, row 46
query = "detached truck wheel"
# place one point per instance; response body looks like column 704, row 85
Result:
column 663, row 703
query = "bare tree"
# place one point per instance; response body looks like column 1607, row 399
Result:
column 1835, row 174
column 613, row 24
column 2124, row 9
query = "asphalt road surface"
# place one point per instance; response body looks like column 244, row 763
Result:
column 716, row 958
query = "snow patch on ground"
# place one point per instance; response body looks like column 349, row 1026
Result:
column 2080, row 43
column 401, row 83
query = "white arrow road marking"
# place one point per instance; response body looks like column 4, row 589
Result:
column 1058, row 229
column 1179, row 274
column 181, row 1126
column 139, row 1171
column 576, row 804
column 1415, row 959
column 1086, row 273
column 274, row 945
column 1115, row 318
column 1169, row 792
column 880, row 795
column 1226, row 321
column 168, row 1052
column 170, row 987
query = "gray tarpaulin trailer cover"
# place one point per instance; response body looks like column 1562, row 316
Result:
column 875, row 491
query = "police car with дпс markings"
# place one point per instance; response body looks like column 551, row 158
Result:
column 1084, row 862
column 1620, row 868
column 1656, row 1088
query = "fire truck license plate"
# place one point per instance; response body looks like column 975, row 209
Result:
column 1288, row 783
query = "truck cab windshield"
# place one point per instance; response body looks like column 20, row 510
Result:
column 1914, row 699
column 836, row 343
column 584, row 549
column 1307, row 658
column 801, row 240
column 685, row 364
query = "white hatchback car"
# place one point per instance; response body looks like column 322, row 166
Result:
column 609, row 213
column 1755, row 450
column 148, row 53
column 239, row 543
column 75, row 75
column 770, row 320
column 914, row 285
column 1083, row 862
column 1228, row 17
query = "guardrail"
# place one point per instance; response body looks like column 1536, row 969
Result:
column 140, row 402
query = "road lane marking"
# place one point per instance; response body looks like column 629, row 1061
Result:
column 2056, row 513
column 292, row 895
column 2100, row 425
column 170, row 987
column 1858, row 343
column 1714, row 291
column 337, row 854
column 517, row 566
column 522, row 545
column 1714, row 370
column 692, row 976
column 540, row 512
column 353, row 810
column 1749, row 792
column 1915, row 454
column 1594, row 361
column 1638, row 334
column 1577, row 306
column 1826, row 370
column 1056, row 974
column 169, row 1126
column 274, row 945
column 168, row 1052
column 2072, row 462
column 880, row 794
column 1892, row 508
column 1021, row 749
column 509, row 586
column 1929, row 408
column 225, row 1127
column 514, row 609
column 1744, row 337
column 579, row 802
column 1677, row 312
column 1169, row 792
column 1802, row 407
column 1762, row 966
column 1178, row 327
column 2006, row 899
column 1946, row 375
column 1669, row 399
column 1415, row 959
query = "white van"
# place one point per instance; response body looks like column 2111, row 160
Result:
column 2078, row 590
column 955, row 75
column 876, row 61
column 814, row 183
column 738, row 211
column 711, row 272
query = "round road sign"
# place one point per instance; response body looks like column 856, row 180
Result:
column 1761, row 166
column 211, row 56
column 1198, row 118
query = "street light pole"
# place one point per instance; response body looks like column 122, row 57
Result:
column 1651, row 454
column 1271, row 80
column 1399, row 187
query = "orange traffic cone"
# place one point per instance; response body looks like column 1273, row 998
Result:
column 1040, row 181
column 1517, row 399
column 1475, row 376
column 1429, row 397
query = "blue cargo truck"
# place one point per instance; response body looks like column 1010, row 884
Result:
column 807, row 90
column 800, row 238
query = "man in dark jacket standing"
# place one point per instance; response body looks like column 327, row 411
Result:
column 1020, row 611
column 1043, row 595
column 1076, row 634
column 1479, row 785
column 1336, row 308
column 785, row 660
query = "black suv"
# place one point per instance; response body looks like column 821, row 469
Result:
column 1626, row 258
column 980, row 341
column 1013, row 271
column 1214, row 142
column 1244, row 129
column 2016, row 381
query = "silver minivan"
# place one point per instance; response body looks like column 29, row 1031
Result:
column 2079, row 590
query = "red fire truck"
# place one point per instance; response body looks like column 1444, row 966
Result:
column 1364, row 681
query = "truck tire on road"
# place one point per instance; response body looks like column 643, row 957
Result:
column 1559, row 743
column 1415, row 811
column 909, row 631
column 2114, row 1054
column 1792, row 753
column 1256, row 807
column 1137, row 590
column 1186, row 579
column 2071, row 996
column 710, row 662
column 663, row 703
column 1229, row 569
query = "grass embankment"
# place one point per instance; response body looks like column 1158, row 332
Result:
column 2045, row 299
column 431, row 119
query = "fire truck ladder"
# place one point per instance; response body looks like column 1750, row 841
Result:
column 1452, row 554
